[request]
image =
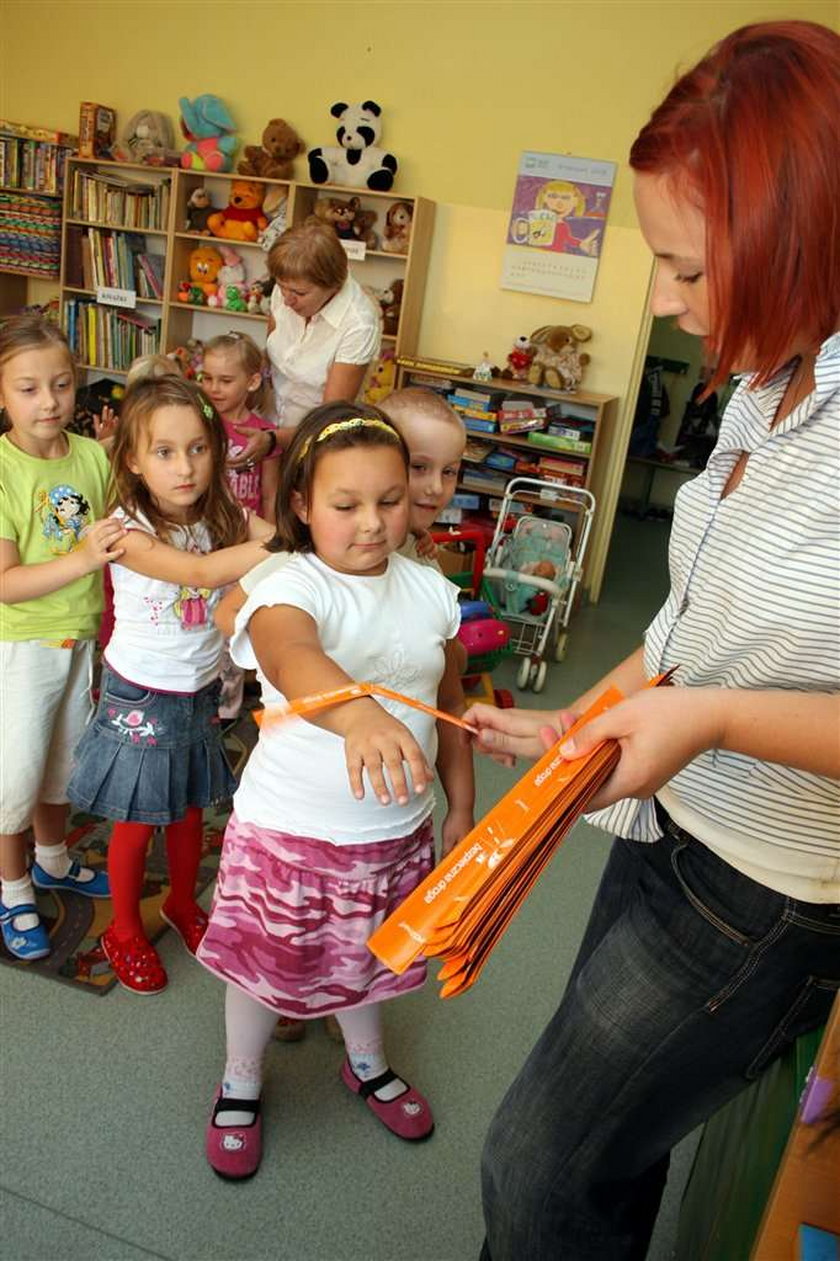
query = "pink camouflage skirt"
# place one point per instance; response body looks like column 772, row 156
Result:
column 291, row 916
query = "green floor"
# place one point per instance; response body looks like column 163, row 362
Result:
column 105, row 1099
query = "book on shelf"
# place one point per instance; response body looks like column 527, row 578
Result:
column 520, row 424
column 473, row 413
column 150, row 268
column 45, row 134
column 501, row 460
column 462, row 500
column 476, row 451
column 108, row 337
column 109, row 199
column 476, row 424
column 97, row 130
column 460, row 400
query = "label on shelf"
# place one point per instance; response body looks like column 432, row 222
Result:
column 355, row 250
column 108, row 296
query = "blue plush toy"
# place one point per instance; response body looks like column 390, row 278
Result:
column 208, row 126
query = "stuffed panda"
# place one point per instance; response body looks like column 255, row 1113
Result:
column 357, row 161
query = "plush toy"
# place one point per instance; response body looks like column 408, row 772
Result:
column 519, row 359
column 208, row 127
column 191, row 293
column 231, row 277
column 274, row 208
column 148, row 137
column 242, row 219
column 189, row 358
column 199, row 210
column 259, row 302
column 357, row 161
column 205, row 265
column 273, row 160
column 397, row 235
column 363, row 228
column 382, row 379
column 557, row 362
column 339, row 214
column 391, row 302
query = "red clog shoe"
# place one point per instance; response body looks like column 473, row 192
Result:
column 234, row 1152
column 135, row 963
column 408, row 1116
column 190, row 925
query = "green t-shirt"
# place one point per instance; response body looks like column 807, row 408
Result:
column 44, row 506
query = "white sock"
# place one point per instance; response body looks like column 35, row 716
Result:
column 249, row 1027
column 362, row 1030
column 56, row 862
column 19, row 893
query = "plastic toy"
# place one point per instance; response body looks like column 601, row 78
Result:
column 557, row 362
column 199, row 210
column 242, row 219
column 396, row 237
column 274, row 158
column 483, row 371
column 208, row 128
column 356, row 161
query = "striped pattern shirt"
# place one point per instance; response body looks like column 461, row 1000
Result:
column 755, row 603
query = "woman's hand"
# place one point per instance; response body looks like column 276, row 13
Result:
column 105, row 425
column 659, row 731
column 256, row 449
column 456, row 825
column 506, row 734
column 376, row 742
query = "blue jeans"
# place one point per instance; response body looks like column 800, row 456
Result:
column 690, row 980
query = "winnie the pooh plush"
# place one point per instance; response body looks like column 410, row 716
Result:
column 557, row 362
column 273, row 159
column 382, row 379
column 242, row 219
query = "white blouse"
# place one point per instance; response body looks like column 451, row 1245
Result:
column 755, row 603
column 301, row 352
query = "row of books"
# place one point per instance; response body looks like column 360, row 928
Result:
column 31, row 165
column 30, row 234
column 124, row 203
column 547, row 424
column 108, row 337
column 97, row 257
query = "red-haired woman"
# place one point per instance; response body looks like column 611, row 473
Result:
column 716, row 943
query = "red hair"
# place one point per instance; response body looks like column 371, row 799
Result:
column 751, row 134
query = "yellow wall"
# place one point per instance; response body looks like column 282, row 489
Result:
column 465, row 88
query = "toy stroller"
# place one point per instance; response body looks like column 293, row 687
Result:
column 533, row 571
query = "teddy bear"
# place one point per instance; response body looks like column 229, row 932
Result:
column 362, row 228
column 557, row 362
column 391, row 303
column 199, row 210
column 519, row 359
column 208, row 127
column 274, row 208
column 396, row 237
column 356, row 161
column 274, row 159
column 205, row 264
column 242, row 219
column 338, row 214
column 382, row 379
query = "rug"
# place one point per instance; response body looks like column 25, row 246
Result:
column 75, row 923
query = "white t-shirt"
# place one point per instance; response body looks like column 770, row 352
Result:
column 389, row 629
column 301, row 352
column 164, row 635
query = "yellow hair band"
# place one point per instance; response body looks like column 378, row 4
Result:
column 342, row 426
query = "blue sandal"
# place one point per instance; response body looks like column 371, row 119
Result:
column 95, row 888
column 24, row 943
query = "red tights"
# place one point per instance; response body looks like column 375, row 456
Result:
column 127, row 864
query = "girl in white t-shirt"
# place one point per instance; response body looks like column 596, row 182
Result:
column 312, row 864
column 152, row 755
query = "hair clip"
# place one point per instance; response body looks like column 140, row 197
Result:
column 207, row 409
column 342, row 426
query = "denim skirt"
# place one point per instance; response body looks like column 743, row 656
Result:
column 148, row 756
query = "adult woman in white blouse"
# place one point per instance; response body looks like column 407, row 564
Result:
column 323, row 330
column 710, row 949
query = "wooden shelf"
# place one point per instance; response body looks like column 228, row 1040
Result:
column 101, row 367
column 91, row 293
column 515, row 440
column 217, row 310
column 216, row 241
column 116, row 227
column 25, row 271
column 30, row 192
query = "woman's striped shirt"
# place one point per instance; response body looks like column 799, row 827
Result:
column 755, row 603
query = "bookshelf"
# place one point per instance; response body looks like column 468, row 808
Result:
column 32, row 161
column 109, row 225
column 570, row 456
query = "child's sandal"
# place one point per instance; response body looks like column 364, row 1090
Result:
column 408, row 1116
column 234, row 1152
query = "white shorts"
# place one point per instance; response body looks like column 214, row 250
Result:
column 45, row 704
